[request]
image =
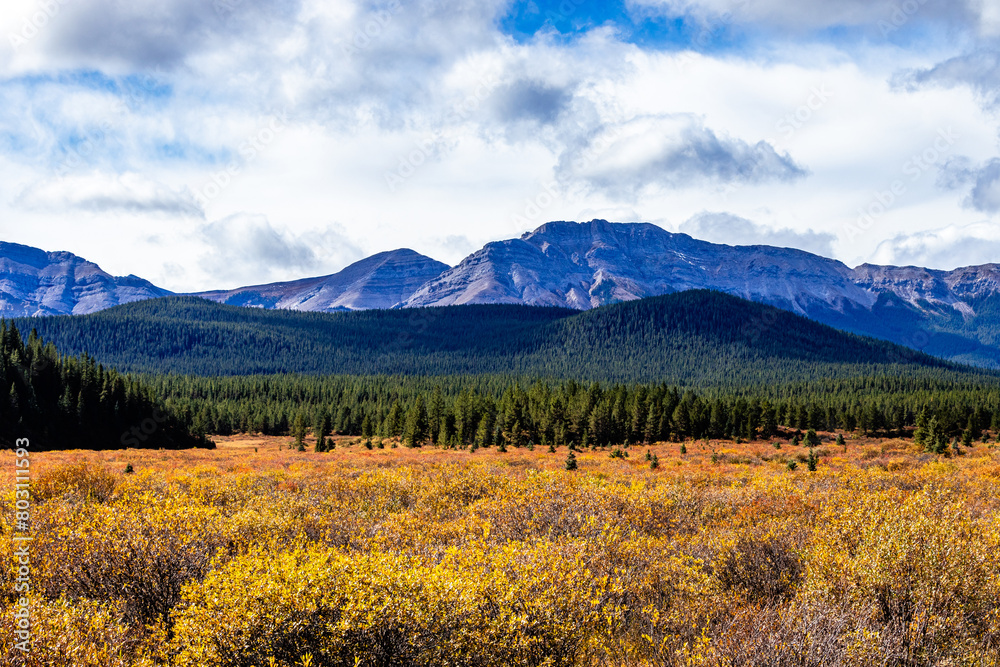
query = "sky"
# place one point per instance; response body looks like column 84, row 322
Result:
column 208, row 144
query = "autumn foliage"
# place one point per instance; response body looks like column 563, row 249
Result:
column 721, row 556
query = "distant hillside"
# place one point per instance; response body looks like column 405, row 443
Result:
column 691, row 338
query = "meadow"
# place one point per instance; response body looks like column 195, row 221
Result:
column 697, row 553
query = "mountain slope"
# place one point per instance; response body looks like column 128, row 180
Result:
column 34, row 283
column 698, row 338
column 380, row 281
column 952, row 314
column 597, row 263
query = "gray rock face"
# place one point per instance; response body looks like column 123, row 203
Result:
column 380, row 281
column 585, row 265
column 592, row 264
column 34, row 282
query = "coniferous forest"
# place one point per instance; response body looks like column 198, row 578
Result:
column 685, row 366
column 65, row 402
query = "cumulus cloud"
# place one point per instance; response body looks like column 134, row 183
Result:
column 247, row 249
column 528, row 100
column 946, row 248
column 979, row 70
column 164, row 33
column 982, row 182
column 734, row 230
column 670, row 152
column 108, row 193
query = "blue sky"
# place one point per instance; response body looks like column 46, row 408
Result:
column 214, row 144
column 570, row 20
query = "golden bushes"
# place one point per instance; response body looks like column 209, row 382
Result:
column 335, row 561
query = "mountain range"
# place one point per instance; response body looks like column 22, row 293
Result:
column 949, row 314
column 35, row 283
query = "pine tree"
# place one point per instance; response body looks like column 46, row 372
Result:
column 571, row 461
column 417, row 425
column 394, row 421
column 299, row 431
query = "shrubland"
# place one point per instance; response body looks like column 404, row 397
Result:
column 256, row 554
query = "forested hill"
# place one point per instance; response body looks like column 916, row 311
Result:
column 58, row 401
column 691, row 338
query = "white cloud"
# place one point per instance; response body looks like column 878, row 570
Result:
column 492, row 128
column 669, row 152
column 108, row 193
column 247, row 249
column 946, row 248
column 734, row 230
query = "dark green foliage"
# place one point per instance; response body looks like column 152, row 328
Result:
column 497, row 410
column 416, row 423
column 696, row 365
column 64, row 402
column 691, row 338
column 812, row 461
column 571, row 461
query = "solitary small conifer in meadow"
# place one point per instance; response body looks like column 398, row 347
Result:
column 571, row 461
column 812, row 461
column 684, row 449
column 840, row 440
column 654, row 463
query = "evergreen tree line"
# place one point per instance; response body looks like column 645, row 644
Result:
column 506, row 411
column 698, row 339
column 65, row 402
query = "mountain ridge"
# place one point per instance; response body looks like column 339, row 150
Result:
column 952, row 314
column 35, row 282
column 382, row 280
